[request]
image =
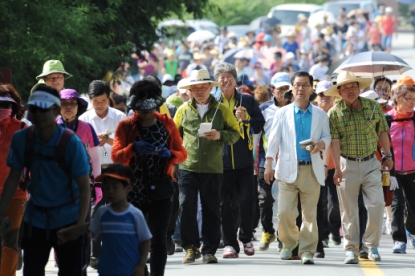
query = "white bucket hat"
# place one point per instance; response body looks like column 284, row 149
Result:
column 373, row 96
column 198, row 77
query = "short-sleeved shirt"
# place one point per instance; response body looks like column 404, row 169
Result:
column 302, row 120
column 49, row 186
column 358, row 130
column 121, row 235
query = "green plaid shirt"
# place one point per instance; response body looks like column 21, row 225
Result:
column 358, row 130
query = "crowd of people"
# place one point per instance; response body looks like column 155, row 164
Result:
column 138, row 169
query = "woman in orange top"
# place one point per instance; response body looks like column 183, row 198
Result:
column 10, row 108
column 150, row 144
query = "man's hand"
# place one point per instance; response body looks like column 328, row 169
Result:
column 337, row 177
column 240, row 113
column 212, row 135
column 318, row 146
column 138, row 271
column 71, row 233
column 387, row 163
column 175, row 173
column 268, row 175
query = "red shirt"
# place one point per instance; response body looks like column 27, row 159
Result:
column 388, row 24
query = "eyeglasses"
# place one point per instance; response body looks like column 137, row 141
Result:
column 410, row 100
column 53, row 78
column 384, row 91
column 303, row 86
column 34, row 109
column 5, row 105
column 63, row 104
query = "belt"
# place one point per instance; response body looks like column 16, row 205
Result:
column 359, row 159
column 304, row 163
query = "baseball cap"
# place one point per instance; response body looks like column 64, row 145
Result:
column 281, row 79
column 182, row 82
column 267, row 38
column 322, row 86
column 289, row 55
column 373, row 96
column 43, row 99
column 388, row 9
column 405, row 80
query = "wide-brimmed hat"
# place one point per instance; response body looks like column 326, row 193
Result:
column 198, row 77
column 347, row 77
column 67, row 94
column 53, row 66
column 198, row 56
column 373, row 96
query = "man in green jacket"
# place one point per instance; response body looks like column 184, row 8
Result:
column 205, row 126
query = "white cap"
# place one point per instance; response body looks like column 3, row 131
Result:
column 182, row 82
column 167, row 77
column 388, row 9
column 373, row 96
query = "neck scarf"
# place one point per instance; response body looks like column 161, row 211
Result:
column 5, row 114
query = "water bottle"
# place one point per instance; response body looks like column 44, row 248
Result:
column 386, row 176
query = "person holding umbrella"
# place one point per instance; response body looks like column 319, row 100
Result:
column 356, row 125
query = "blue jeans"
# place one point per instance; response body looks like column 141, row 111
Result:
column 386, row 41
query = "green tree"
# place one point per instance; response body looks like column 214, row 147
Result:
column 90, row 37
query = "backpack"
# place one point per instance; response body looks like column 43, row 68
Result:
column 389, row 119
column 59, row 156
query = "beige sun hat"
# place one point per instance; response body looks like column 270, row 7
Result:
column 347, row 77
column 198, row 77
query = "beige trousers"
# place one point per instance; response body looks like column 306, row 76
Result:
column 364, row 175
column 307, row 186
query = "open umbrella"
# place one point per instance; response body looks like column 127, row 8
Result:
column 269, row 54
column 201, row 35
column 263, row 22
column 318, row 18
column 356, row 12
column 249, row 53
column 374, row 64
column 229, row 56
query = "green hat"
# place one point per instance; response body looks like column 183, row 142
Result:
column 41, row 81
column 174, row 100
column 53, row 66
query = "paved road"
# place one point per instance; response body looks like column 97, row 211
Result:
column 269, row 263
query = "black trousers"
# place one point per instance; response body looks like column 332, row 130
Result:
column 209, row 186
column 175, row 211
column 238, row 187
column 333, row 211
column 257, row 216
column 266, row 202
column 37, row 248
column 157, row 214
column 322, row 221
column 406, row 190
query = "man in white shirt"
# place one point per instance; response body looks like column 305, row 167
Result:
column 104, row 120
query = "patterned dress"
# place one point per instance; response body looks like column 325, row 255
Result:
column 150, row 164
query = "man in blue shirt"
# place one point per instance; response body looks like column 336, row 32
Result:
column 56, row 202
column 298, row 171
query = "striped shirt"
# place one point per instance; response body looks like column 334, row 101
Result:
column 358, row 130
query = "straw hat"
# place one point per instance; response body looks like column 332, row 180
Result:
column 198, row 56
column 198, row 77
column 347, row 77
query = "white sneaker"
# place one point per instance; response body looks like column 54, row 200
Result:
column 307, row 258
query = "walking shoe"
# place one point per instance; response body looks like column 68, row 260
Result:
column 249, row 249
column 265, row 241
column 229, row 252
column 363, row 254
column 325, row 243
column 307, row 258
column 93, row 262
column 178, row 247
column 337, row 240
column 170, row 246
column 192, row 253
column 209, row 259
column 399, row 248
column 286, row 254
column 319, row 254
column 351, row 258
column 411, row 238
column 374, row 255
column 280, row 246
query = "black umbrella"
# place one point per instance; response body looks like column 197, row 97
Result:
column 374, row 64
column 336, row 64
column 263, row 22
column 229, row 55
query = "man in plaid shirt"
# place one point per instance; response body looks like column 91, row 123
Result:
column 356, row 124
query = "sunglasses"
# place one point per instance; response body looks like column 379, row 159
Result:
column 34, row 109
